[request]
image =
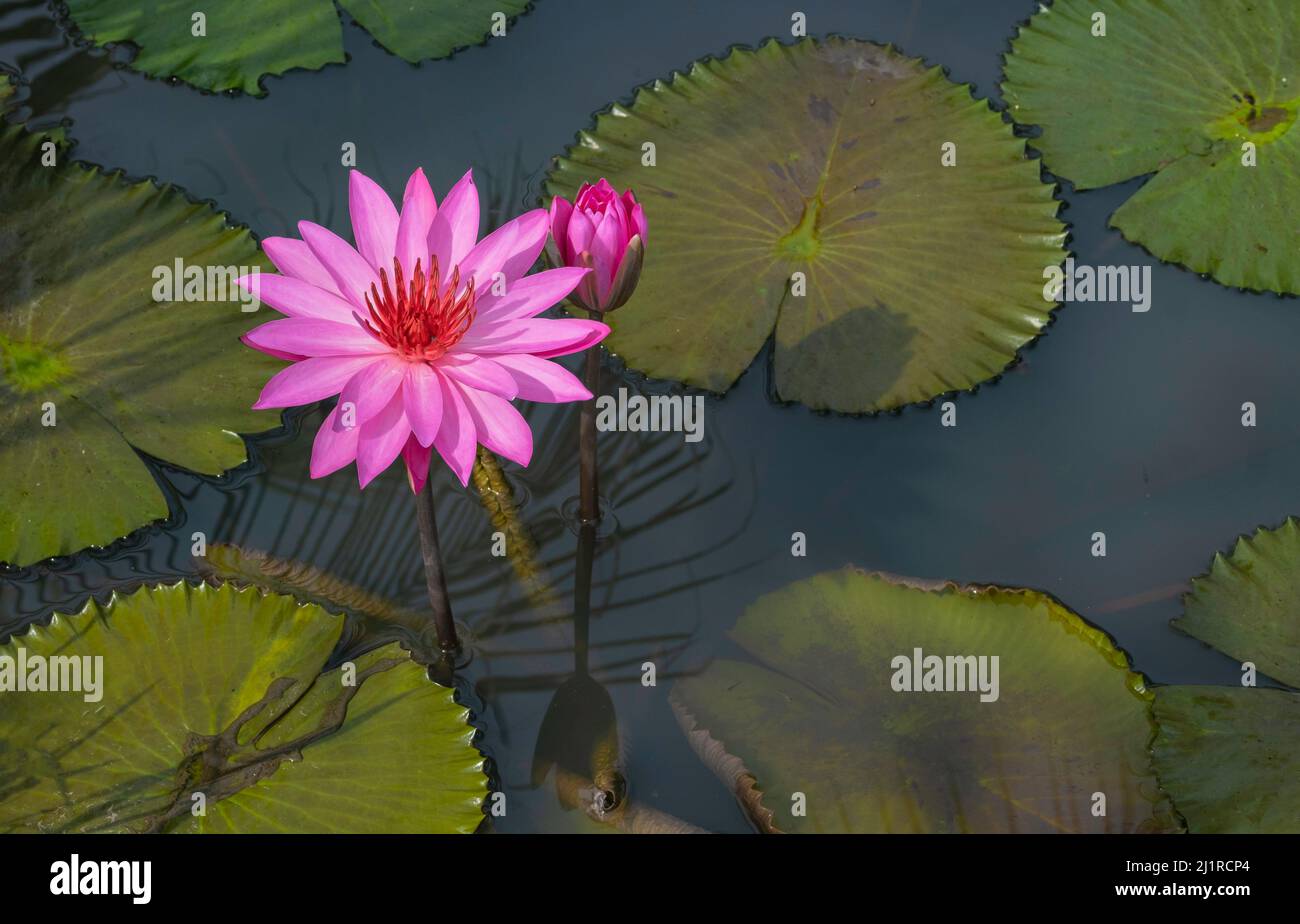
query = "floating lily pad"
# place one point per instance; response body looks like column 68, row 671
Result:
column 816, row 713
column 1175, row 89
column 1248, row 605
column 1229, row 757
column 824, row 158
column 93, row 370
column 244, row 42
column 222, row 692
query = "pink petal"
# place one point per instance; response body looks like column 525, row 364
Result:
column 561, row 209
column 353, row 274
column 528, row 296
column 606, row 251
column 416, row 458
column 294, row 258
column 580, row 232
column 542, row 380
column 370, row 390
column 541, row 336
column 457, row 438
column 638, row 220
column 332, row 449
column 455, row 227
column 500, row 427
column 297, row 298
column 511, row 249
column 313, row 337
column 422, row 394
column 381, row 440
column 374, row 220
column 478, row 372
column 418, row 210
column 310, row 380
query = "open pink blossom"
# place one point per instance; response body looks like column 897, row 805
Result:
column 425, row 333
column 605, row 232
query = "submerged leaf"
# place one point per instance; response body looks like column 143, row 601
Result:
column 827, row 160
column 243, row 42
column 818, row 715
column 219, row 692
column 1177, row 89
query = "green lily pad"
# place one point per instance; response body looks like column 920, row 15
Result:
column 1175, row 89
column 1248, row 605
column 222, row 692
column 247, row 41
column 1229, row 757
column 93, row 371
column 824, row 158
column 816, row 713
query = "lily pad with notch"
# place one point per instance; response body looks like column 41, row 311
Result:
column 221, row 698
column 1200, row 94
column 825, row 159
column 93, row 370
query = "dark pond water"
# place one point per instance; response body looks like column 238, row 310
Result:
column 1114, row 421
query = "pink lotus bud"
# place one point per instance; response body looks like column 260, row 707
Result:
column 604, row 232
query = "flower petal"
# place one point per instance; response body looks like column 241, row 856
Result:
column 313, row 337
column 311, row 380
column 606, row 252
column 580, row 232
column 542, row 380
column 297, row 298
column 455, row 227
column 374, row 220
column 418, row 210
column 353, row 274
column 478, row 372
column 541, row 336
column 561, row 210
column 457, row 438
column 294, row 258
column 529, row 296
column 371, row 389
column 332, row 449
column 381, row 440
column 416, row 458
column 511, row 250
column 422, row 394
column 500, row 427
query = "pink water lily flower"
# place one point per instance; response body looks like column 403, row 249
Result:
column 605, row 231
column 425, row 333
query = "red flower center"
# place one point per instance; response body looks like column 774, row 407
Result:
column 419, row 319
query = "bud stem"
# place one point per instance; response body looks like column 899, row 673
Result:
column 589, row 501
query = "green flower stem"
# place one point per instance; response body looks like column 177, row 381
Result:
column 439, row 602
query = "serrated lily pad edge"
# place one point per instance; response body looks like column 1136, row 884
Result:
column 766, row 354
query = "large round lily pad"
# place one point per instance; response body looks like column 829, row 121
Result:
column 93, row 370
column 1229, row 757
column 825, row 158
column 245, row 41
column 222, row 692
column 1175, row 89
column 816, row 712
